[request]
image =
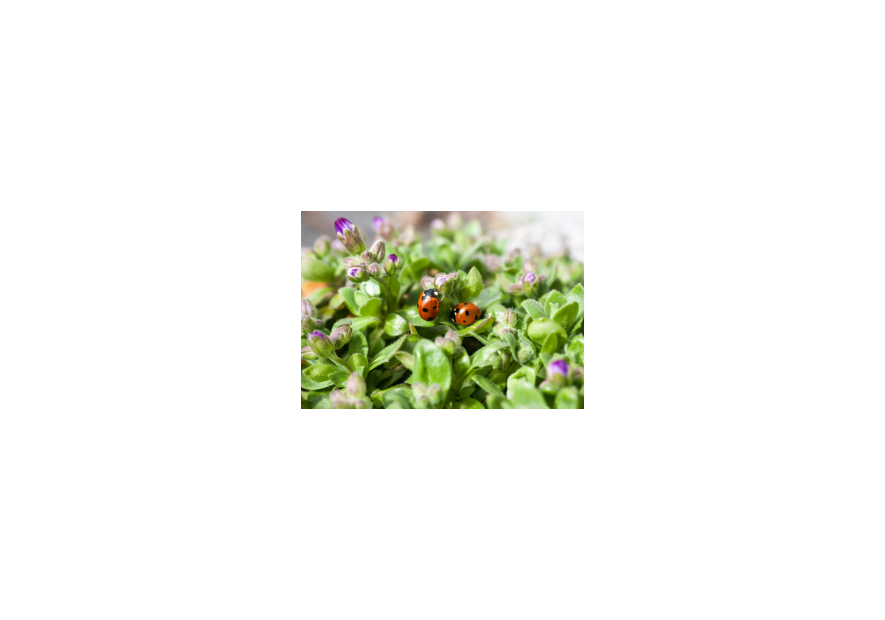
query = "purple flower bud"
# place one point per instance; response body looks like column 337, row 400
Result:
column 307, row 308
column 392, row 264
column 342, row 224
column 426, row 282
column 515, row 289
column 374, row 269
column 529, row 278
column 308, row 354
column 383, row 228
column 356, row 386
column 350, row 236
column 558, row 373
column 437, row 225
column 319, row 342
column 350, row 261
column 357, row 274
column 367, row 256
column 440, row 279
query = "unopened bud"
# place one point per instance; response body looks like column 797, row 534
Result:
column 374, row 269
column 558, row 373
column 515, row 289
column 308, row 354
column 437, row 225
column 427, row 282
column 434, row 394
column 351, row 262
column 341, row 335
column 367, row 256
column 321, row 245
column 493, row 262
column 524, row 354
column 339, row 400
column 529, row 265
column 357, row 274
column 378, row 250
column 508, row 317
column 383, row 228
column 392, row 264
column 307, row 308
column 356, row 386
column 350, row 236
column 320, row 343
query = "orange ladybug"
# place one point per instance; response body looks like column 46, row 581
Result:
column 465, row 314
column 428, row 305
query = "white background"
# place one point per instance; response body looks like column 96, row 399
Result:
column 154, row 158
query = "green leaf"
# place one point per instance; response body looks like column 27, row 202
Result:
column 565, row 316
column 577, row 294
column 349, row 295
column 362, row 323
column 406, row 359
column 468, row 403
column 472, row 286
column 411, row 315
column 470, row 252
column 526, row 397
column 309, row 384
column 383, row 356
column 551, row 345
column 317, row 376
column 319, row 296
column 315, row 270
column 418, row 267
column 488, row 385
column 461, row 363
column 360, row 298
column 371, row 308
column 525, row 374
column 372, row 289
column 339, row 378
column 482, row 357
column 575, row 350
column 432, row 366
column 487, row 297
column 539, row 329
column 395, row 325
column 358, row 344
column 479, row 327
column 336, row 301
column 359, row 363
column 534, row 308
column 554, row 297
column 393, row 283
column 398, row 394
column 566, row 398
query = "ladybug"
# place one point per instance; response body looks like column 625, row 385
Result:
column 428, row 305
column 465, row 314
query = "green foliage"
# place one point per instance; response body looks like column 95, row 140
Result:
column 499, row 364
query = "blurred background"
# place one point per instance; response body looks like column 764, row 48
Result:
column 549, row 230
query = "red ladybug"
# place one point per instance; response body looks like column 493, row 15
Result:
column 465, row 314
column 428, row 305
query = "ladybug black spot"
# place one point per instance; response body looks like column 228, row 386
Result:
column 424, row 310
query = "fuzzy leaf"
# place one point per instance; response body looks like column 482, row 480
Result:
column 482, row 357
column 575, row 350
column 554, row 297
column 432, row 366
column 358, row 344
column 314, row 270
column 309, row 384
column 371, row 308
column 534, row 308
column 472, row 286
column 339, row 378
column 418, row 267
column 359, row 363
column 565, row 316
column 319, row 296
column 468, row 403
column 406, row 359
column 577, row 294
column 360, row 297
column 395, row 325
column 551, row 344
column 317, row 376
column 349, row 295
column 487, row 297
column 461, row 363
column 524, row 374
column 383, row 356
column 372, row 289
column 479, row 327
column 527, row 397
column 362, row 323
column 567, row 398
column 488, row 385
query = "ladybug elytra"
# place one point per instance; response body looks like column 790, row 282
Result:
column 428, row 305
column 465, row 314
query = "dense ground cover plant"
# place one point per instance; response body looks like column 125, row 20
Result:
column 364, row 344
